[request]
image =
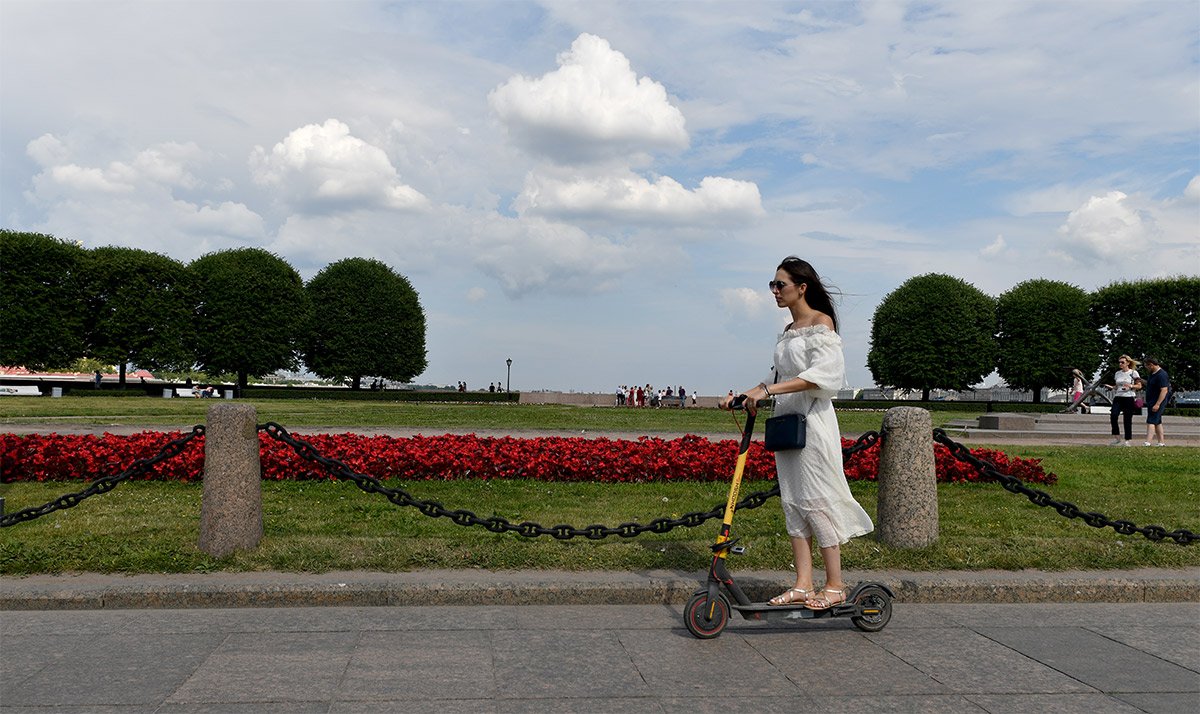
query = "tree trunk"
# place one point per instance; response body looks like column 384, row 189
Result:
column 356, row 383
column 121, row 373
column 242, row 380
column 1037, row 395
column 925, row 394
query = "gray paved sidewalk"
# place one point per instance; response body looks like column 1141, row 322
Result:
column 1087, row 658
column 1068, row 435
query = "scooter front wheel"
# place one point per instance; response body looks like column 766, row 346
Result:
column 876, row 607
column 696, row 615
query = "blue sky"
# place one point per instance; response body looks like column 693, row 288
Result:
column 601, row 190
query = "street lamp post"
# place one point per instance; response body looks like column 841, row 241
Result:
column 508, row 384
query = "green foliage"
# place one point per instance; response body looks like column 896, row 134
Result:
column 367, row 321
column 42, row 318
column 251, row 313
column 139, row 308
column 933, row 332
column 1043, row 331
column 1152, row 317
column 87, row 365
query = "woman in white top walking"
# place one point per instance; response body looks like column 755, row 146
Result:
column 1126, row 382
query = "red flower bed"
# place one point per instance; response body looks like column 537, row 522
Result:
column 690, row 458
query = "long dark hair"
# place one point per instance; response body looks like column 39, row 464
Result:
column 818, row 293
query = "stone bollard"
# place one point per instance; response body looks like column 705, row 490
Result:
column 231, row 508
column 908, row 510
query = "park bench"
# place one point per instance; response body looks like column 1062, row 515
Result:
column 24, row 390
column 187, row 392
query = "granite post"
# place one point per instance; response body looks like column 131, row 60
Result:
column 908, row 511
column 231, row 507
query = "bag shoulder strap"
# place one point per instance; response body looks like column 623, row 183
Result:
column 812, row 403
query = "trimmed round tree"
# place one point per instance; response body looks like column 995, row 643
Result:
column 367, row 322
column 1158, row 317
column 41, row 323
column 933, row 332
column 1043, row 331
column 251, row 313
column 139, row 309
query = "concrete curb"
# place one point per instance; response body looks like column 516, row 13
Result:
column 477, row 587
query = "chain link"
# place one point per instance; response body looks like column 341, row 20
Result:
column 1064, row 508
column 496, row 524
column 104, row 484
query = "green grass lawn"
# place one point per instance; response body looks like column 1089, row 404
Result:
column 333, row 413
column 320, row 526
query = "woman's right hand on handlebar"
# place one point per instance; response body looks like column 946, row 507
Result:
column 745, row 400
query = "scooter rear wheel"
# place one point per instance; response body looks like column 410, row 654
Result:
column 695, row 615
column 877, row 605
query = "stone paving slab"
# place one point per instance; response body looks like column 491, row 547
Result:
column 479, row 587
column 596, row 659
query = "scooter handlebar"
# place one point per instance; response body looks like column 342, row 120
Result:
column 739, row 402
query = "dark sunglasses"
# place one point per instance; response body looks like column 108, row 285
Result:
column 778, row 285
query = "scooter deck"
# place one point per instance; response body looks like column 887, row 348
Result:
column 756, row 610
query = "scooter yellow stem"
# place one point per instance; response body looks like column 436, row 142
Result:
column 736, row 485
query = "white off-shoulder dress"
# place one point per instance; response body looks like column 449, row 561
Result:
column 817, row 502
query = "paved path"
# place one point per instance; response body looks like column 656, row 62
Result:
column 1091, row 430
column 1088, row 658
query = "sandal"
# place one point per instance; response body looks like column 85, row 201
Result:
column 791, row 596
column 827, row 598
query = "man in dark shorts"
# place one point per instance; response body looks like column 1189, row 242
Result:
column 1158, row 386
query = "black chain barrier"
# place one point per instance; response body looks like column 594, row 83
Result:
column 496, row 524
column 1064, row 508
column 104, row 484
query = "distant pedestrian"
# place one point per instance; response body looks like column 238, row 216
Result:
column 1124, row 386
column 1158, row 387
column 1077, row 390
column 96, row 379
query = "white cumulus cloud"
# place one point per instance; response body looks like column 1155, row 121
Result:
column 1104, row 227
column 594, row 106
column 746, row 303
column 1192, row 192
column 163, row 165
column 994, row 248
column 134, row 202
column 48, row 150
column 321, row 167
column 527, row 255
column 636, row 198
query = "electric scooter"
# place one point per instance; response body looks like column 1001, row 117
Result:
column 869, row 604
